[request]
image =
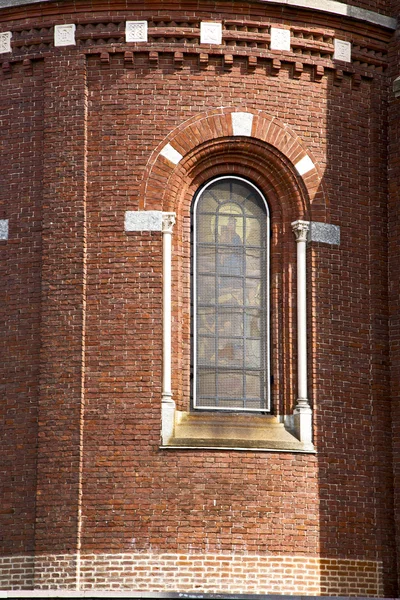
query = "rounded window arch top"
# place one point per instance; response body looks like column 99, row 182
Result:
column 242, row 189
column 231, row 297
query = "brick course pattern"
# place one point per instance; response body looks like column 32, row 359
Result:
column 208, row 573
column 86, row 489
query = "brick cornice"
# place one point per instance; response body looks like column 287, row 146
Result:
column 326, row 6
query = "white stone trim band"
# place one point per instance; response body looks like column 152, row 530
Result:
column 136, row 31
column 171, row 154
column 327, row 6
column 143, row 220
column 3, row 229
column 304, row 165
column 242, row 123
column 64, row 35
column 324, row 233
column 5, row 42
column 126, row 575
column 210, row 32
column 342, row 9
column 396, row 87
column 280, row 39
column 342, row 50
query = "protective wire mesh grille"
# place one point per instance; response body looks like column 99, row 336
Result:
column 230, row 297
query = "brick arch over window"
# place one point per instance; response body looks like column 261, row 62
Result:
column 264, row 144
column 207, row 147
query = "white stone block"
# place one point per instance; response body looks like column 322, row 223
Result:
column 342, row 50
column 171, row 154
column 143, row 220
column 5, row 42
column 136, row 31
column 280, row 39
column 242, row 123
column 324, row 233
column 3, row 229
column 210, row 33
column 302, row 420
column 64, row 35
column 396, row 87
column 304, row 165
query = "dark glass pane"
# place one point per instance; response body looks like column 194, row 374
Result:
column 229, row 209
column 230, row 291
column 253, row 323
column 253, row 232
column 231, row 300
column 230, row 229
column 206, row 229
column 230, row 260
column 253, row 292
column 208, row 203
column 205, row 321
column 206, row 351
column 253, row 262
column 206, row 259
column 230, row 322
column 253, row 354
column 241, row 191
column 206, row 402
column 254, row 207
column 230, row 352
column 253, row 385
column 254, row 404
column 231, row 403
column 230, row 385
column 206, row 384
column 222, row 191
column 206, row 289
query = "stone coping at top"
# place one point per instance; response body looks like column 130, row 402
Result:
column 55, row 593
column 328, row 6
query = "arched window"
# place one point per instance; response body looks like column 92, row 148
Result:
column 231, row 297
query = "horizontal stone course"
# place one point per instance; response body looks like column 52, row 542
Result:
column 242, row 574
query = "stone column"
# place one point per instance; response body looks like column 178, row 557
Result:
column 168, row 404
column 302, row 412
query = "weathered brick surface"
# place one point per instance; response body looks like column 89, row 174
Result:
column 62, row 306
column 81, row 134
column 394, row 285
column 21, row 121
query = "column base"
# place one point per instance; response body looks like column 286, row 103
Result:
column 167, row 418
column 302, row 422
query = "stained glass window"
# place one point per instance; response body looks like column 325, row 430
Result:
column 230, row 297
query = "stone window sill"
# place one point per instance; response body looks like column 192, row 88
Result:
column 233, row 431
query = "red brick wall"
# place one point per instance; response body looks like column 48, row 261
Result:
column 353, row 392
column 394, row 287
column 63, row 304
column 235, row 508
column 89, row 349
column 21, row 167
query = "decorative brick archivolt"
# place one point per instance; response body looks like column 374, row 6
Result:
column 277, row 158
column 268, row 152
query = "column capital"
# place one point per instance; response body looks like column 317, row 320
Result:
column 168, row 221
column 300, row 230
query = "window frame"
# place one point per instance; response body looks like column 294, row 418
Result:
column 266, row 317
